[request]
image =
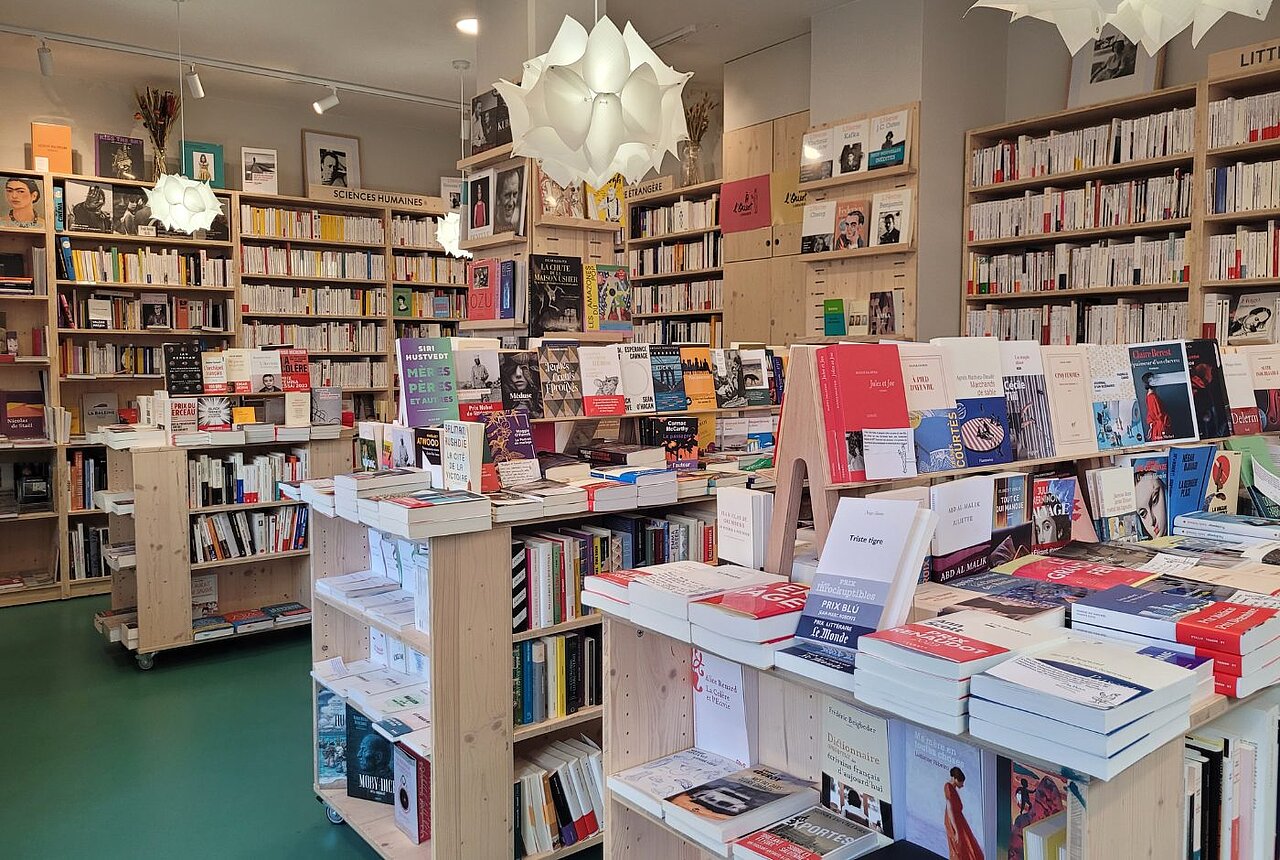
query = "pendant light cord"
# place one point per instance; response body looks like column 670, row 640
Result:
column 182, row 103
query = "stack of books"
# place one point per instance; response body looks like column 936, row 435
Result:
column 815, row 834
column 1087, row 705
column 645, row 786
column 922, row 670
column 660, row 600
column 1231, row 528
column 749, row 624
column 654, row 485
column 427, row 513
column 349, row 489
column 717, row 812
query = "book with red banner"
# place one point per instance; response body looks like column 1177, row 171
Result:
column 601, row 381
column 861, row 388
column 1199, row 620
column 958, row 645
column 753, row 613
column 611, row 590
column 295, row 373
column 1073, row 572
column 482, row 290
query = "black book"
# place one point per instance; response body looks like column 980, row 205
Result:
column 490, row 122
column 519, row 587
column 572, row 673
column 564, row 818
column 591, row 663
column 369, row 761
column 1208, row 389
column 521, row 382
column 182, row 374
column 517, row 683
column 427, row 442
column 515, row 817
column 1211, row 799
column 555, row 294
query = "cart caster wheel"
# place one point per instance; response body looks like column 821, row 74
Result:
column 335, row 817
column 146, row 661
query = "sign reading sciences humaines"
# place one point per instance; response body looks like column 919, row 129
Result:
column 372, row 197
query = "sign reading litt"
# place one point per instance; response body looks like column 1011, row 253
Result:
column 649, row 186
column 395, row 199
column 1258, row 57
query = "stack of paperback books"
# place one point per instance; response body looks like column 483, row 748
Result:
column 660, row 600
column 717, row 812
column 749, row 624
column 349, row 489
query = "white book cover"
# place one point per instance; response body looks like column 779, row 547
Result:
column 856, row 781
column 1021, row 358
column 1067, row 379
column 239, row 371
column 637, row 377
column 947, row 781
column 890, row 139
column 721, row 720
column 1264, row 366
column 1113, row 491
column 213, row 372
column 891, row 218
column 926, row 377
column 460, row 454
column 264, row 370
column 204, row 595
column 850, row 146
column 647, row 784
column 816, row 155
column 99, row 409
column 889, row 453
column 742, row 525
column 1238, row 377
column 601, row 370
column 297, row 410
column 669, row 587
column 975, row 366
column 817, row 228
column 964, row 508
column 183, row 414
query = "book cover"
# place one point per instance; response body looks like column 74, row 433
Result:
column 331, row 739
column 851, row 146
column 891, row 218
column 931, row 407
column 239, row 373
column 680, row 442
column 480, row 201
column 613, row 298
column 816, row 160
column 98, row 409
column 182, row 369
column 555, row 294
column 1223, row 491
column 720, row 722
column 264, row 370
column 636, row 377
column 978, row 383
column 295, row 372
column 88, row 206
column 671, row 774
column 1117, row 421
column 1264, row 367
column 884, row 309
column 213, row 373
column 521, row 382
column 182, row 415
column 889, row 135
column 510, row 442
column 945, row 781
column 561, row 378
column 155, row 310
column 668, row 379
column 728, row 379
column 1208, row 389
column 1164, row 391
column 369, row 764
column 833, row 319
column 461, row 453
column 817, row 231
column 859, row 317
column 52, row 143
column 482, row 290
column 326, row 404
column 213, row 413
column 755, row 376
column 412, row 793
column 1253, row 319
column 561, row 201
column 861, row 388
column 1190, row 481
column 851, row 219
column 117, row 157
column 1072, row 572
column 815, row 834
column 856, row 780
column 479, row 383
column 490, row 122
column 601, row 381
column 1026, row 396
column 1066, row 373
column 1237, row 379
column 724, row 799
column 508, row 198
column 428, row 381
column 23, row 414
column 606, row 202
column 1025, row 795
column 699, row 384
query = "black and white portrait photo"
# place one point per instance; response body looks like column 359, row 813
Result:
column 1111, row 67
column 1114, row 56
column 129, row 211
column 331, row 159
column 88, row 206
column 118, row 157
column 508, row 214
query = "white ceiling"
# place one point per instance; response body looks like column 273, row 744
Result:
column 395, row 44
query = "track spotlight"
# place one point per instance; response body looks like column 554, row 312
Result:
column 329, row 101
column 193, row 83
column 45, row 56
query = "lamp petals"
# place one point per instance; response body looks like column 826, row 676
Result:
column 606, row 62
column 569, row 44
column 180, row 203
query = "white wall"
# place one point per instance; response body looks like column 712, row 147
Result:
column 866, row 54
column 770, row 83
column 394, row 156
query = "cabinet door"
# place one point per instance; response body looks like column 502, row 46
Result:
column 788, row 135
column 787, row 301
column 750, row 245
column 747, row 300
column 749, row 151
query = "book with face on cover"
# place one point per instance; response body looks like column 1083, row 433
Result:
column 1208, row 388
column 732, row 806
column 856, row 773
column 817, row 231
column 1164, row 391
column 891, row 218
column 889, row 137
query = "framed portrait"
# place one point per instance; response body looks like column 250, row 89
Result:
column 23, row 203
column 258, row 170
column 331, row 159
column 116, row 157
column 203, row 163
column 1112, row 67
column 508, row 198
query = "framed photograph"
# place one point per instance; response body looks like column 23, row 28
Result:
column 1112, row 67
column 258, row 170
column 480, row 200
column 203, row 163
column 331, row 159
column 508, row 199
column 116, row 157
column 88, row 205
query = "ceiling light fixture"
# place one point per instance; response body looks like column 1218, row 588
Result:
column 45, row 56
column 326, row 103
column 596, row 104
column 193, row 83
column 470, row 26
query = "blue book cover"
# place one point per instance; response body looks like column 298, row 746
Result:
column 624, row 541
column 331, row 738
column 1138, row 602
column 984, row 431
column 1189, row 480
column 945, row 781
column 937, row 440
column 668, row 378
column 1117, row 421
column 839, row 659
column 526, row 669
column 1031, row 590
column 428, row 381
column 507, row 289
column 839, row 609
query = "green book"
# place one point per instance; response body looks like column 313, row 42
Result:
column 833, row 318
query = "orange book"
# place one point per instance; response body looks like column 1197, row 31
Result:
column 53, row 142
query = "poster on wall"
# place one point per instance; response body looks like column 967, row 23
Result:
column 203, row 162
column 330, row 159
column 1112, row 67
column 259, row 170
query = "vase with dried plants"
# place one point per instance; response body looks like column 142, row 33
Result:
column 697, row 117
column 157, row 112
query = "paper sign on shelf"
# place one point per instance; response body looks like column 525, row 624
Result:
column 1265, row 482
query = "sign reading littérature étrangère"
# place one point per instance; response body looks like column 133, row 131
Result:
column 1258, row 57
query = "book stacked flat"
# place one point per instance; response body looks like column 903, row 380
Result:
column 749, row 624
column 922, row 670
column 660, row 600
column 1087, row 705
column 427, row 513
column 611, row 591
column 558, row 499
column 349, row 489
column 319, row 493
column 1239, row 630
column 815, row 834
column 721, row 810
column 605, row 495
column 509, row 506
column 1231, row 528
column 654, row 485
column 644, row 786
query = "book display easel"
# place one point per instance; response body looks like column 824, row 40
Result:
column 854, row 274
column 676, row 300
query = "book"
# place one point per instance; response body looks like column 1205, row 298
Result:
column 1067, row 379
column 1161, row 376
column 561, row 377
column 889, row 135
column 668, row 378
column 51, row 147
column 22, row 415
column 965, row 510
column 521, row 382
column 369, row 762
column 601, row 381
column 1027, row 400
column 264, row 370
column 99, row 409
column 891, row 218
column 490, row 122
column 1117, row 422
column 1197, row 620
column 1253, row 321
column 510, row 442
column 479, row 382
column 1237, row 378
column 606, row 201
column 88, row 205
column 647, row 784
column 816, row 161
column 480, row 201
column 482, row 289
column 817, row 230
column 295, row 373
column 851, row 145
column 732, row 806
column 753, row 613
column 699, row 384
column 856, row 775
column 213, row 373
column 755, row 375
column 1025, row 795
column 213, row 413
column 461, row 452
column 613, row 297
column 978, row 384
column 1264, row 368
column 331, row 739
column 834, row 323
column 555, row 294
column 411, row 774
column 1208, row 389
column 721, row 722
column 561, row 201
column 182, row 369
column 931, row 408
column 815, row 834
column 861, row 387
column 852, row 218
column 155, row 310
column 239, row 373
column 728, row 379
column 636, row 375
column 948, row 782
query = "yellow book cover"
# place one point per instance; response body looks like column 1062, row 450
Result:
column 243, row 415
column 51, row 141
column 606, row 202
column 699, row 387
column 591, row 296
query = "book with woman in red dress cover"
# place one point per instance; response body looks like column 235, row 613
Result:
column 1025, row 795
column 861, row 389
column 950, row 784
column 1164, row 391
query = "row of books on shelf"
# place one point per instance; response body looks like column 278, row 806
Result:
column 192, row 422
column 87, row 474
column 555, row 676
column 108, row 358
column 1238, row 120
column 412, row 303
column 244, row 534
column 167, row 266
column 671, row 332
column 26, row 420
column 855, row 146
column 215, row 625
column 496, row 288
column 564, row 294
column 1096, row 205
column 85, row 546
column 23, row 273
column 1244, row 253
column 705, row 295
column 304, row 263
column 559, row 796
column 847, row 225
column 1243, row 186
column 272, row 299
column 648, row 222
column 234, row 479
column 1159, row 135
column 1081, row 322
column 273, row 222
column 326, row 337
column 103, row 207
column 117, row 311
column 423, row 269
column 684, row 256
column 413, row 231
column 877, row 313
column 1110, row 263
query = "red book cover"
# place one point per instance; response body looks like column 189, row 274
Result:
column 745, row 204
column 294, row 371
column 1222, row 626
column 482, row 290
column 475, row 409
column 762, row 601
column 243, row 615
column 943, row 644
column 1073, row 572
column 861, row 388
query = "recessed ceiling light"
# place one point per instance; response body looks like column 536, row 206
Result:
column 470, row 26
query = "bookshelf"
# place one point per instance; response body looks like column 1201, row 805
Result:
column 159, row 584
column 854, row 275
column 681, row 304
